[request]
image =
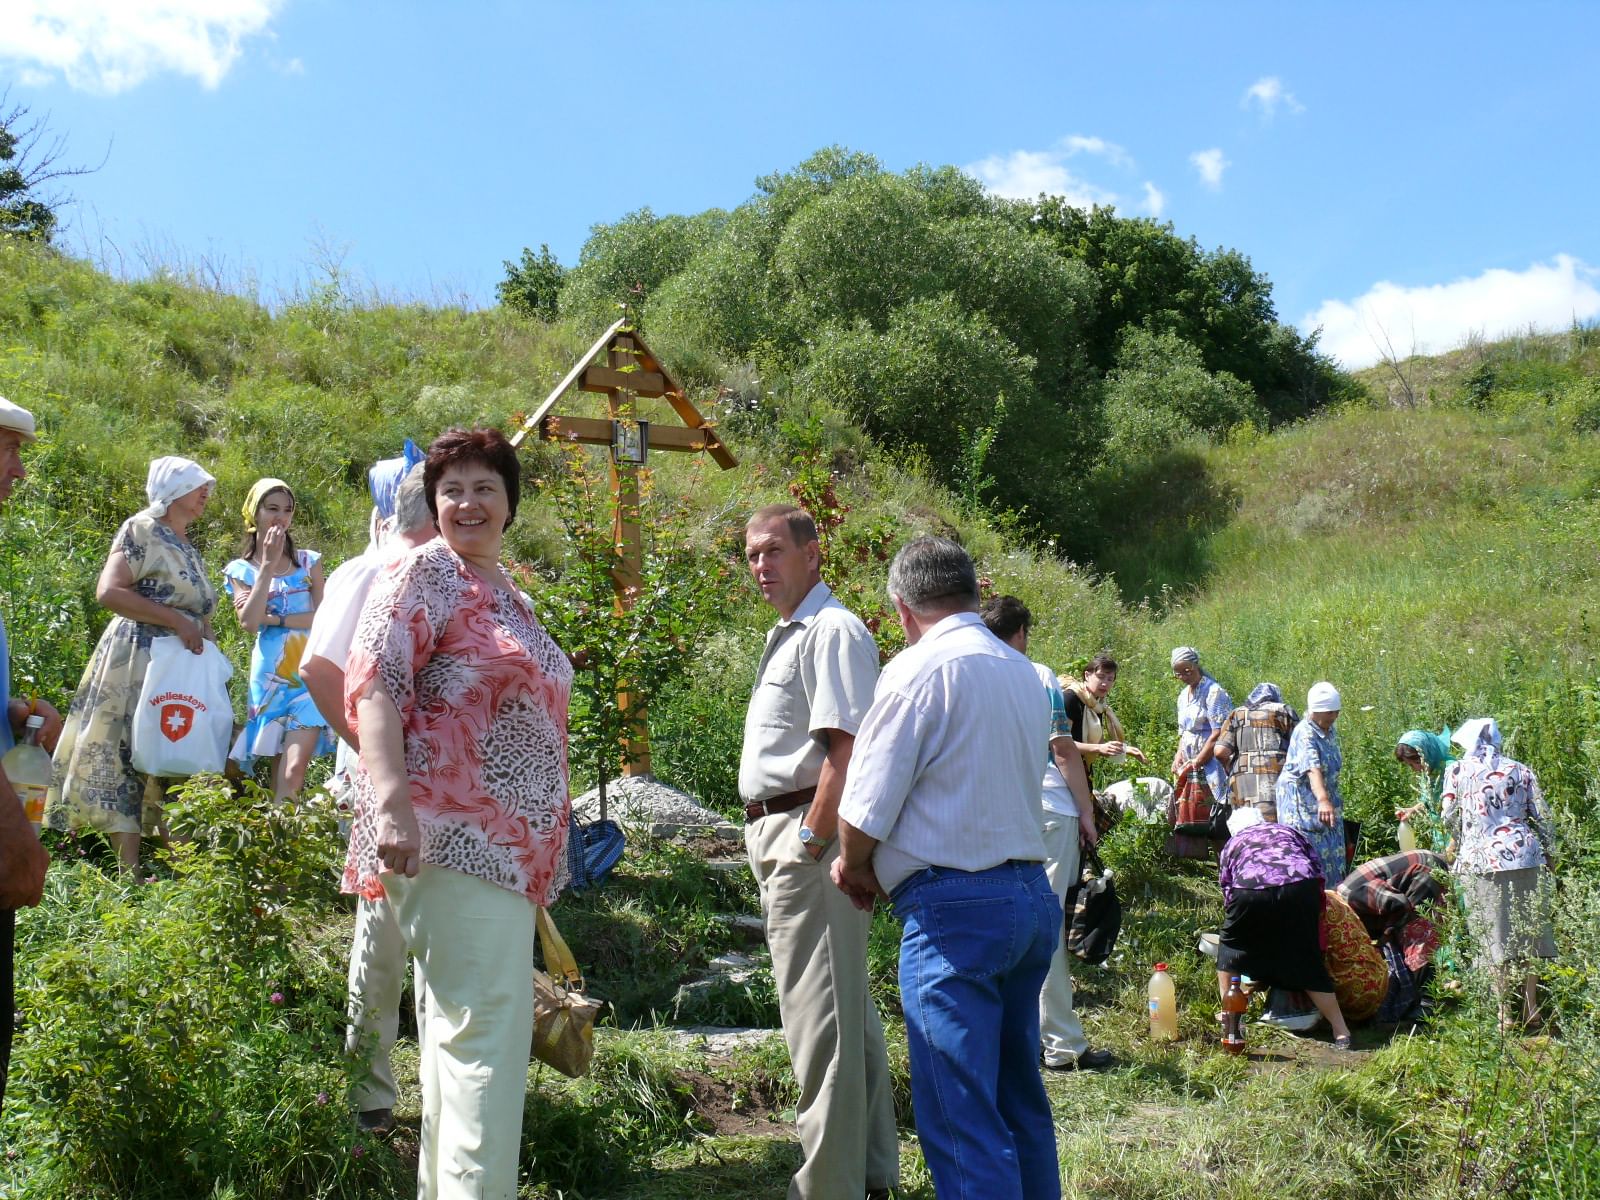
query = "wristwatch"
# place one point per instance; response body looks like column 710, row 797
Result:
column 809, row 839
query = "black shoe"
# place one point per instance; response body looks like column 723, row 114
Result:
column 376, row 1121
column 1089, row 1060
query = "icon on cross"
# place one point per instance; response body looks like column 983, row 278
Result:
column 176, row 721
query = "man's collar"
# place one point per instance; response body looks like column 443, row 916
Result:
column 950, row 624
column 810, row 606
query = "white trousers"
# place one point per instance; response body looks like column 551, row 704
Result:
column 377, row 980
column 473, row 942
column 1060, row 1030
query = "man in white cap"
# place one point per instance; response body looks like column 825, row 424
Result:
column 22, row 859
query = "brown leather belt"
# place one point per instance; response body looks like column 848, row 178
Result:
column 778, row 804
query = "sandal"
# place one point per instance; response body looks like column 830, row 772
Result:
column 1342, row 1042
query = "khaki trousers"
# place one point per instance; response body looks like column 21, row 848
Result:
column 377, row 980
column 1060, row 1030
column 818, row 939
column 473, row 942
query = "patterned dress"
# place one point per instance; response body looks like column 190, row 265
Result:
column 279, row 701
column 482, row 691
column 1257, row 740
column 1201, row 711
column 1312, row 749
column 93, row 784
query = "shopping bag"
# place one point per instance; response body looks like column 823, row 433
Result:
column 184, row 718
column 563, row 1015
column 1093, row 913
column 592, row 850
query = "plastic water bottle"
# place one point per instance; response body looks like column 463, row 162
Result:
column 1163, row 1005
column 27, row 766
column 1234, row 1005
column 1407, row 837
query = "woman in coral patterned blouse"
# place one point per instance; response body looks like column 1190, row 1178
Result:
column 459, row 699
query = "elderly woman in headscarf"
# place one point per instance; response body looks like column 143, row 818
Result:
column 1253, row 744
column 1202, row 708
column 276, row 589
column 155, row 582
column 1308, row 786
column 1493, row 805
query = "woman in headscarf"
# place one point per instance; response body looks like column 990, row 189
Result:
column 1308, row 786
column 1274, row 896
column 276, row 588
column 1493, row 805
column 1428, row 754
column 155, row 583
column 1202, row 708
column 1095, row 727
column 1254, row 743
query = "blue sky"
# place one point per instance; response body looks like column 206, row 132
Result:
column 1407, row 172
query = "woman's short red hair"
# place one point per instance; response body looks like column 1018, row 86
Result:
column 461, row 447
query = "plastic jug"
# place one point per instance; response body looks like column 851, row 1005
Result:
column 27, row 766
column 1407, row 837
column 1163, row 1005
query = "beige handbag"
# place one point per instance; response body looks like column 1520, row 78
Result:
column 563, row 1015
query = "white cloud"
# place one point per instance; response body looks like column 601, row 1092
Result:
column 1024, row 174
column 1154, row 202
column 1110, row 151
column 1433, row 318
column 112, row 45
column 1267, row 94
column 1211, row 164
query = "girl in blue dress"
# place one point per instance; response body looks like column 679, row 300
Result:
column 282, row 720
column 1308, row 786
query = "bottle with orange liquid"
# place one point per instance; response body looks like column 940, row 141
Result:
column 1163, row 1005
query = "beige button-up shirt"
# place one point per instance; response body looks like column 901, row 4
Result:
column 817, row 673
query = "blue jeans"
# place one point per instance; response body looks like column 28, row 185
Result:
column 973, row 955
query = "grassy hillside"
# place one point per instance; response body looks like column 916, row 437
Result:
column 1434, row 561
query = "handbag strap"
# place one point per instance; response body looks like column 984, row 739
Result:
column 558, row 958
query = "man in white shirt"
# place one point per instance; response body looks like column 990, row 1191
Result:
column 377, row 952
column 813, row 686
column 941, row 814
column 1068, row 824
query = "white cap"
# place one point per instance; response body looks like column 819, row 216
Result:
column 17, row 419
column 1323, row 697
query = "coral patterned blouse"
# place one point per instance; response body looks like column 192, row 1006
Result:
column 482, row 691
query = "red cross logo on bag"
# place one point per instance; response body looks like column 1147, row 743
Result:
column 176, row 721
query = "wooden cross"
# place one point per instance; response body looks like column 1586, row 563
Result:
column 629, row 372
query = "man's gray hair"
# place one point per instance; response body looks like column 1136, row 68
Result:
column 933, row 574
column 411, row 513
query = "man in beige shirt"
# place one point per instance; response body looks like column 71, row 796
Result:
column 813, row 686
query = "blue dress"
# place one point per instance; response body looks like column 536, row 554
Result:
column 1312, row 749
column 279, row 702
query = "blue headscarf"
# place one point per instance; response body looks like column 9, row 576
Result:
column 1264, row 693
column 385, row 476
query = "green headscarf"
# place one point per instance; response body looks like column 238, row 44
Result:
column 1435, row 748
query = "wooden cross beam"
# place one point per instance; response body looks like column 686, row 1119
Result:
column 630, row 371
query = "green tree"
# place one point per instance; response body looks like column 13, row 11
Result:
column 1160, row 393
column 533, row 286
column 30, row 161
column 625, row 262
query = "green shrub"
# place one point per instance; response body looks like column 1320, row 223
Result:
column 177, row 1037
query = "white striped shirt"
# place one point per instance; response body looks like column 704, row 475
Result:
column 946, row 765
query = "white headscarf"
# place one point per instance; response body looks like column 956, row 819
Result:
column 1476, row 735
column 1185, row 654
column 171, row 477
column 1323, row 698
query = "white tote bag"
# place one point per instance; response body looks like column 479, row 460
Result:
column 185, row 718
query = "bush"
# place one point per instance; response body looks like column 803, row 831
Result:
column 178, row 1037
